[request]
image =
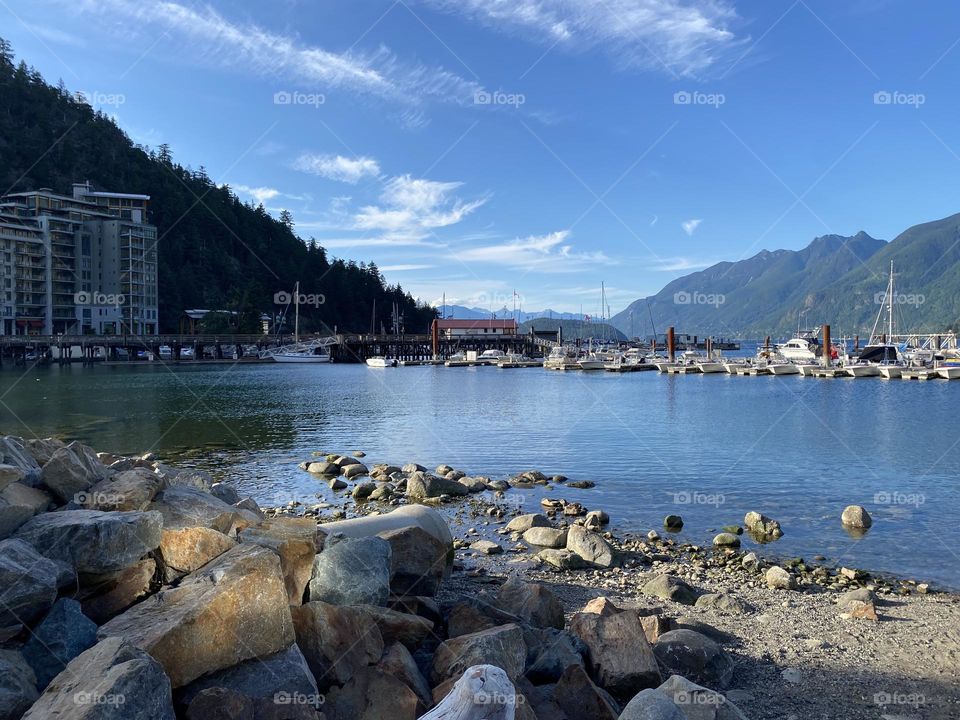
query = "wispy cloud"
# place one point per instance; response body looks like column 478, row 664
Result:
column 337, row 167
column 683, row 37
column 264, row 194
column 547, row 253
column 690, row 226
column 403, row 268
column 208, row 36
column 679, row 264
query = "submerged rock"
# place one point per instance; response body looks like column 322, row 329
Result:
column 856, row 516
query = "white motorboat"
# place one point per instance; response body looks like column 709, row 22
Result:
column 592, row 362
column 799, row 349
column 949, row 372
column 491, row 357
column 861, row 369
column 890, row 371
column 711, row 366
column 562, row 358
column 782, row 368
column 301, row 353
column 381, row 362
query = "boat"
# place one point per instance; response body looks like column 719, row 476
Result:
column 513, row 360
column 881, row 352
column 314, row 351
column 949, row 367
column 381, row 362
column 861, row 369
column 562, row 358
column 782, row 367
column 592, row 362
column 491, row 357
column 801, row 348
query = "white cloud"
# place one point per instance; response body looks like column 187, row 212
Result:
column 403, row 268
column 548, row 253
column 684, row 37
column 689, row 226
column 260, row 194
column 207, row 36
column 337, row 167
column 678, row 264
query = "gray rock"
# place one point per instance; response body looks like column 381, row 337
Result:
column 421, row 485
column 619, row 657
column 113, row 680
column 337, row 484
column 855, row 516
column 355, row 470
column 546, row 537
column 590, row 546
column 226, row 492
column 71, row 470
column 398, row 662
column 726, row 539
column 190, row 478
column 761, row 526
column 700, row 703
column 673, row 522
column 394, row 626
column 92, row 541
column 411, row 468
column 10, row 474
column 669, row 587
column 779, row 579
column 29, row 583
column 337, row 641
column 576, row 693
column 725, row 603
column 188, row 507
column 522, row 523
column 62, row 635
column 551, row 651
column 860, row 595
column 651, row 704
column 531, row 602
column 19, row 503
column 362, row 491
column 231, row 610
column 695, row 657
column 418, row 560
column 352, row 571
column 103, row 597
column 129, row 490
column 562, row 559
column 486, row 547
column 43, row 449
column 502, row 646
column 323, row 468
column 14, row 452
column 285, row 672
column 18, row 685
column 371, row 693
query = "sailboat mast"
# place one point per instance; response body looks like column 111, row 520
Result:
column 890, row 306
column 296, row 304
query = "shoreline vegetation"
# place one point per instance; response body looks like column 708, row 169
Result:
column 134, row 589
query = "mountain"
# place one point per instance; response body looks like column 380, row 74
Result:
column 213, row 251
column 573, row 329
column 475, row 313
column 760, row 295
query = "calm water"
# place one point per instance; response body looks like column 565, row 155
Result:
column 707, row 447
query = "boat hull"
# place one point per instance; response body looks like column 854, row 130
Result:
column 591, row 364
column 858, row 371
column 711, row 367
column 949, row 373
column 299, row 358
column 381, row 362
column 890, row 372
column 784, row 369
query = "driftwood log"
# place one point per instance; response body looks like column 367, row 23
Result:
column 483, row 692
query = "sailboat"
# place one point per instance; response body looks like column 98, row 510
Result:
column 596, row 360
column 309, row 352
column 382, row 361
column 882, row 355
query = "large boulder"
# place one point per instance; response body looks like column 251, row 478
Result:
column 43, row 449
column 71, row 470
column 233, row 609
column 652, row 704
column 418, row 560
column 372, row 694
column 562, row 559
column 18, row 685
column 531, row 602
column 92, row 541
column 522, row 523
column 28, row 581
column 336, row 641
column 192, row 478
column 10, row 474
column 398, row 662
column 62, row 635
column 695, row 657
column 352, row 571
column 130, row 490
column 669, row 587
column 547, row 537
column 103, row 597
column 618, row 655
column 189, row 507
column 857, row 517
column 576, row 692
column 501, row 646
column 699, row 703
column 421, row 516
column 550, row 652
column 226, row 492
column 183, row 550
column 762, row 527
column 411, row 630
column 276, row 677
column 19, row 503
column 13, row 453
column 113, row 680
column 295, row 542
column 421, row 485
column 590, row 546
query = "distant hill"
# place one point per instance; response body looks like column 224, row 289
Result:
column 465, row 313
column 574, row 329
column 767, row 293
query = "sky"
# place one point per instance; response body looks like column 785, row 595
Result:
column 526, row 151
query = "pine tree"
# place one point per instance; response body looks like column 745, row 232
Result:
column 286, row 219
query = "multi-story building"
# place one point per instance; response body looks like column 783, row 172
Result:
column 77, row 265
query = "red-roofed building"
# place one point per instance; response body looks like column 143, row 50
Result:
column 485, row 327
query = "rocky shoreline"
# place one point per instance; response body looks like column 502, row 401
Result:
column 133, row 589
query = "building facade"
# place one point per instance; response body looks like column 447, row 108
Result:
column 84, row 264
column 489, row 327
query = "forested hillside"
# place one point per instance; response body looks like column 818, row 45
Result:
column 214, row 251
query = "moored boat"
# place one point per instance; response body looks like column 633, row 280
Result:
column 381, row 362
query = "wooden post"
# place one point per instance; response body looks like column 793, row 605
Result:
column 827, row 350
column 671, row 344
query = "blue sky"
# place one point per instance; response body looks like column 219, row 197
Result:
column 477, row 147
